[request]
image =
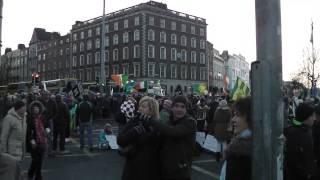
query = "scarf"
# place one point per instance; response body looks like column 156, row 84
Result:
column 41, row 137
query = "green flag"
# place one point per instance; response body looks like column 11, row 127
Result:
column 239, row 90
column 124, row 78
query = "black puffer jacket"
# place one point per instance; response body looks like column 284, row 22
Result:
column 299, row 155
column 142, row 161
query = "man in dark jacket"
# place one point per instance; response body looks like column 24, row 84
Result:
column 84, row 115
column 178, row 142
column 299, row 156
column 60, row 123
column 316, row 137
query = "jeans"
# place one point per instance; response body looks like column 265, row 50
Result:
column 88, row 127
column 36, row 164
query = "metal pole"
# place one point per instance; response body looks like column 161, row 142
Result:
column 267, row 105
column 103, row 54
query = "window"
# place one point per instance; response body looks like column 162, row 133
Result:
column 151, row 51
column 193, row 57
column 74, row 61
column 202, row 44
column 89, row 45
column 151, row 69
column 173, row 71
column 193, row 73
column 107, row 41
column 125, row 69
column 97, row 31
column 81, row 35
column 115, row 55
column 183, row 28
column 88, row 71
column 136, row 21
column 202, row 58
column 184, row 72
column 163, row 37
column 173, row 25
column 106, row 56
column 61, row 51
column 74, row 36
column 89, row 59
column 43, row 68
column 97, row 58
column 115, row 69
column 115, row 26
column 201, row 32
column 193, row 30
column 74, row 48
column 81, row 60
column 193, row 43
column 203, row 74
column 90, row 33
column 173, row 39
column 97, row 72
column 151, row 21
column 162, row 23
column 173, row 54
column 115, row 39
column 97, row 43
column 163, row 70
column 125, row 53
column 107, row 71
column 136, row 70
column 125, row 37
column 125, row 23
column 136, row 52
column 136, row 35
column 183, row 41
column 107, row 28
column 151, row 35
column 183, row 55
column 163, row 53
column 44, row 56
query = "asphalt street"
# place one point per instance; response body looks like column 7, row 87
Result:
column 108, row 164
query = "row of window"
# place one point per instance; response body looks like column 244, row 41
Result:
column 163, row 24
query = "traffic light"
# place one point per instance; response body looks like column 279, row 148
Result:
column 35, row 78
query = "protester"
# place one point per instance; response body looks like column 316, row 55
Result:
column 13, row 133
column 299, row 155
column 316, row 138
column 238, row 155
column 126, row 113
column 103, row 142
column 36, row 138
column 60, row 122
column 9, row 167
column 178, row 141
column 166, row 111
column 84, row 115
column 140, row 144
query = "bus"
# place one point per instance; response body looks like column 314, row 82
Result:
column 57, row 85
column 19, row 87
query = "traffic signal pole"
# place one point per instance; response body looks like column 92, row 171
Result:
column 266, row 83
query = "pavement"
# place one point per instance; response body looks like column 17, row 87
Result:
column 108, row 164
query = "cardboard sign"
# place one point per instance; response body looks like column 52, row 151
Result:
column 212, row 144
column 112, row 139
column 200, row 138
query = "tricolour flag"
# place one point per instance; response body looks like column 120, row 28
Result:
column 141, row 85
column 120, row 79
column 239, row 90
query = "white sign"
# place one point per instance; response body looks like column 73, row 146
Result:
column 112, row 139
column 212, row 144
column 200, row 138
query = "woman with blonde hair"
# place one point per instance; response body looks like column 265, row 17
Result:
column 140, row 143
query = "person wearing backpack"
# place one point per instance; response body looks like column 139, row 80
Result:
column 84, row 114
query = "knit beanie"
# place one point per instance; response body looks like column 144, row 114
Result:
column 304, row 111
column 180, row 99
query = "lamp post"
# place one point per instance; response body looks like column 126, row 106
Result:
column 103, row 40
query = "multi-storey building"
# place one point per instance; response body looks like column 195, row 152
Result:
column 16, row 63
column 216, row 67
column 147, row 41
column 237, row 66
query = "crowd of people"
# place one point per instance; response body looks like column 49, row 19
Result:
column 157, row 135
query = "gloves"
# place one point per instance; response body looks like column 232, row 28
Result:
column 145, row 118
column 139, row 129
column 48, row 130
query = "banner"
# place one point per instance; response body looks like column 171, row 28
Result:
column 239, row 90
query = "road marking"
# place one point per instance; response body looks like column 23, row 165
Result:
column 204, row 161
column 203, row 171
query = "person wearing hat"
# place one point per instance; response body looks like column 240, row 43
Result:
column 299, row 155
column 178, row 141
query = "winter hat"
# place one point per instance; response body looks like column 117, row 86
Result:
column 128, row 109
column 304, row 111
column 180, row 99
column 223, row 104
column 18, row 104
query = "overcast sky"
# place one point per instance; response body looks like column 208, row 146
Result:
column 231, row 23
